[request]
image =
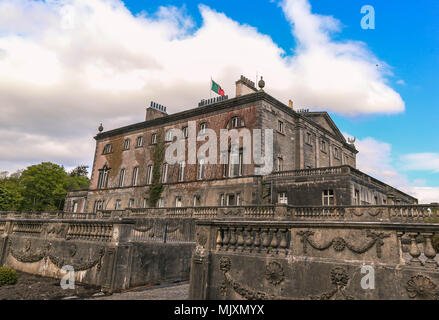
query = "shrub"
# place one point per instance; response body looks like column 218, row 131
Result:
column 7, row 276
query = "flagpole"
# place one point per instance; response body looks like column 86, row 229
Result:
column 210, row 89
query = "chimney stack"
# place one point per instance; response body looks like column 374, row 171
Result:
column 155, row 111
column 245, row 86
column 291, row 104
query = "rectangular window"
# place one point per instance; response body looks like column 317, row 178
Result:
column 336, row 153
column 75, row 206
column 231, row 200
column 161, row 203
column 375, row 200
column 235, row 122
column 135, row 173
column 221, row 199
column 181, row 171
column 131, row 203
column 168, row 136
column 165, row 173
column 149, row 175
column 201, row 168
column 107, row 149
column 356, row 196
column 103, row 179
column 178, row 202
column 185, row 132
column 139, row 141
column 280, row 126
column 238, row 199
column 145, row 203
column 328, row 197
column 280, row 164
column 126, row 144
column 283, row 198
column 308, row 138
column 154, row 138
column 323, row 146
column 117, row 205
column 236, row 164
column 122, row 177
column 99, row 205
column 203, row 128
column 197, row 201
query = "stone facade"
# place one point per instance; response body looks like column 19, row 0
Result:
column 302, row 141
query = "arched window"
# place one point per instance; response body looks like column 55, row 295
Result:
column 235, row 122
column 103, row 177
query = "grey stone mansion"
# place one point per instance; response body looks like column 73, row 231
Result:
column 313, row 164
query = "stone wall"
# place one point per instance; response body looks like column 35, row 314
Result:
column 317, row 258
column 129, row 248
column 105, row 249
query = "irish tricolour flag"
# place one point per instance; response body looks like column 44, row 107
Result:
column 217, row 88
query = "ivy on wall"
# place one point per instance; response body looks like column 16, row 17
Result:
column 158, row 154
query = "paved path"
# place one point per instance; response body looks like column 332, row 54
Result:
column 173, row 291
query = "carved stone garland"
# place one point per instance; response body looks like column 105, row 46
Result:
column 27, row 256
column 243, row 291
column 339, row 244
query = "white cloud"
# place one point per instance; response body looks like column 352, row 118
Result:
column 420, row 162
column 375, row 158
column 66, row 66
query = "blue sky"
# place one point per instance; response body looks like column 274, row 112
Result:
column 66, row 66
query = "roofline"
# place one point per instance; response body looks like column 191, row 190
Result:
column 237, row 101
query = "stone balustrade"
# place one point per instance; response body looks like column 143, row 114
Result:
column 264, row 212
column 308, row 172
column 90, row 231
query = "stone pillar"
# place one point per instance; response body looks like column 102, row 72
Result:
column 208, row 238
column 301, row 145
column 330, row 153
column 317, row 152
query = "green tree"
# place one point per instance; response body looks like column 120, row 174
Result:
column 43, row 187
column 78, row 179
column 10, row 194
column 79, row 171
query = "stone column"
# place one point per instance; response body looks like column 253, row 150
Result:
column 301, row 145
column 317, row 152
column 330, row 153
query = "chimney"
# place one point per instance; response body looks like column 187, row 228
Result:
column 291, row 104
column 245, row 86
column 155, row 111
